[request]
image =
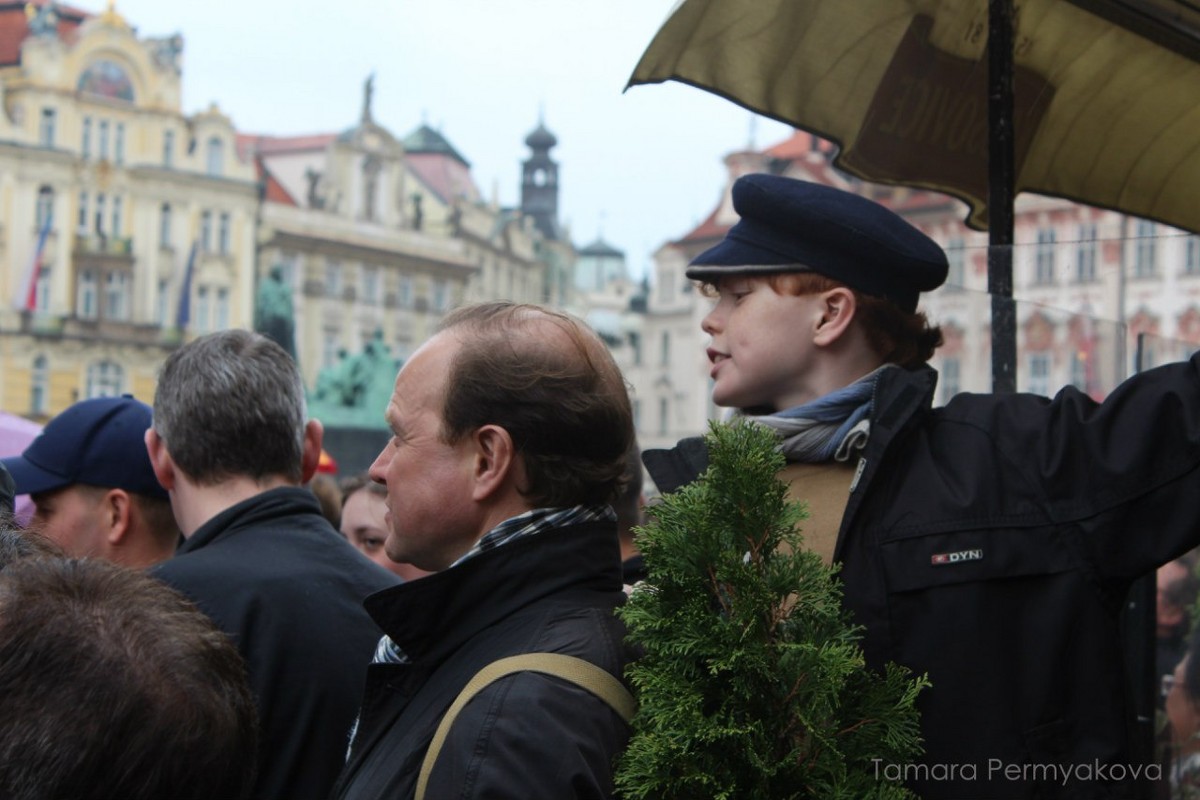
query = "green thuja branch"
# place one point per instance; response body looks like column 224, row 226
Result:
column 752, row 683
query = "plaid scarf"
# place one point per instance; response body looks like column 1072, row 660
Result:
column 522, row 526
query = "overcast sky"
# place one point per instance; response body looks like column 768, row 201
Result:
column 642, row 167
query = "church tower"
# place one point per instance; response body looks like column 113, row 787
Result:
column 539, row 182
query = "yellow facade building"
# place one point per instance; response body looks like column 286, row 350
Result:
column 120, row 217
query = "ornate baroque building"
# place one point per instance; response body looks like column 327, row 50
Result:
column 373, row 235
column 124, row 224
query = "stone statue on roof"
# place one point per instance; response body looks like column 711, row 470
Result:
column 368, row 91
column 42, row 20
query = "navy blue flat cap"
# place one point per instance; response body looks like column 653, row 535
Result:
column 98, row 442
column 789, row 225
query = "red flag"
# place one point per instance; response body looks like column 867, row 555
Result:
column 29, row 295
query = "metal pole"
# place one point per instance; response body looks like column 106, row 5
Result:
column 1001, row 183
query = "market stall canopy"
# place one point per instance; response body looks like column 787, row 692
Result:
column 1106, row 92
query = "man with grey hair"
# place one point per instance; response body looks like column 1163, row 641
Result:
column 231, row 445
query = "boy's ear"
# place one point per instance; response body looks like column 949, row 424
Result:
column 838, row 307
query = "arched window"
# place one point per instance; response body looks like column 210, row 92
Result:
column 216, row 157
column 105, row 379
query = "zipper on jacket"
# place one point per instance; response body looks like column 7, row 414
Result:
column 858, row 473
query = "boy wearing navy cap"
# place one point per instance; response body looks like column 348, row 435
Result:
column 92, row 486
column 989, row 543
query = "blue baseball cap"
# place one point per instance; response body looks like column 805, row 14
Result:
column 789, row 225
column 98, row 442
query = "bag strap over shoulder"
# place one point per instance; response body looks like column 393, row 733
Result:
column 579, row 672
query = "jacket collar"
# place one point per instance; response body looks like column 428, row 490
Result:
column 283, row 501
column 431, row 617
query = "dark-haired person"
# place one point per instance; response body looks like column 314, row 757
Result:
column 989, row 543
column 231, row 443
column 114, row 685
column 509, row 433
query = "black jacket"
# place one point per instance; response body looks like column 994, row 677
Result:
column 991, row 544
column 526, row 736
column 274, row 575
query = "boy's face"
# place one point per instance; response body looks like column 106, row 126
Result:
column 761, row 349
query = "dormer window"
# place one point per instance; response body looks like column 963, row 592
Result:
column 215, row 155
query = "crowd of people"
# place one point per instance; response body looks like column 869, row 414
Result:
column 224, row 633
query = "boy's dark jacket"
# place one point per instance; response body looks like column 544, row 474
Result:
column 991, row 544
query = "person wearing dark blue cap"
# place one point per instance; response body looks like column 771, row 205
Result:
column 988, row 543
column 92, row 486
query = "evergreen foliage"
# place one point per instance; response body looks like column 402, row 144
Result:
column 752, row 684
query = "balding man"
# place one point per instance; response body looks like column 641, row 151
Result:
column 509, row 433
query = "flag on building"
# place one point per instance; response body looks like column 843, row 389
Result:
column 184, row 314
column 27, row 301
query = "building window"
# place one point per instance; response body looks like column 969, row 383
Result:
column 85, row 143
column 333, row 278
column 105, row 379
column 331, row 345
column 370, row 286
column 44, row 211
column 39, row 387
column 664, row 416
column 956, row 254
column 85, row 302
column 168, row 153
column 441, row 295
column 635, row 344
column 100, row 213
column 41, row 290
column 666, row 349
column 950, row 378
column 636, row 408
column 1085, row 255
column 118, row 209
column 1079, row 370
column 223, row 234
column 404, row 297
column 1039, row 373
column 206, row 231
column 1191, row 255
column 164, row 225
column 103, row 143
column 1044, row 257
column 83, row 212
column 203, row 313
column 221, row 309
column 46, row 129
column 162, row 302
column 216, row 157
column 666, row 287
column 119, row 144
column 1145, row 254
column 116, row 296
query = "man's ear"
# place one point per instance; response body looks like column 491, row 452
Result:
column 117, row 508
column 837, row 310
column 495, row 461
column 160, row 459
column 314, row 434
